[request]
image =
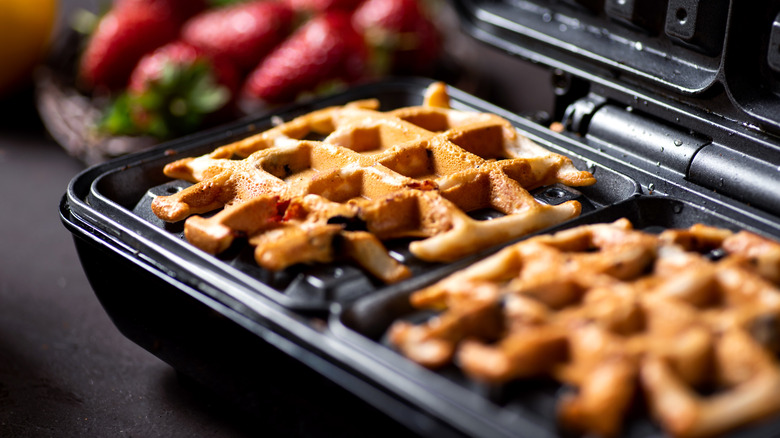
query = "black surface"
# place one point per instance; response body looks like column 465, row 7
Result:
column 211, row 347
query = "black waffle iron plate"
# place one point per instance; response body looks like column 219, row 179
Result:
column 651, row 111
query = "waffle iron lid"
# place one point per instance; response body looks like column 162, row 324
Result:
column 704, row 71
column 713, row 55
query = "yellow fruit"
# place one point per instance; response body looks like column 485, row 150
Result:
column 25, row 29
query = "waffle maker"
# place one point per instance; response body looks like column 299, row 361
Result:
column 674, row 106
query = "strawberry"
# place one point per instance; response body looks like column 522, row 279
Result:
column 419, row 49
column 392, row 15
column 318, row 6
column 127, row 32
column 402, row 39
column 171, row 92
column 244, row 32
column 181, row 55
column 324, row 49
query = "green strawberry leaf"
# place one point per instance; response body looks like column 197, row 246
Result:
column 84, row 21
column 205, row 96
column 171, row 75
column 116, row 119
column 210, row 100
column 174, row 104
column 382, row 46
column 220, row 3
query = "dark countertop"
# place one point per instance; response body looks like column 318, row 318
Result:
column 65, row 370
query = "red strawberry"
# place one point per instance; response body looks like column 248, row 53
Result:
column 244, row 33
column 325, row 48
column 317, row 6
column 172, row 91
column 402, row 38
column 393, row 15
column 127, row 32
column 179, row 55
column 181, row 9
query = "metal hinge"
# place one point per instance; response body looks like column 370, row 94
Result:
column 674, row 152
column 634, row 137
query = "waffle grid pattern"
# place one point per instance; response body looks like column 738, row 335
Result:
column 412, row 172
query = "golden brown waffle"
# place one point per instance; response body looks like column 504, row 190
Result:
column 412, row 172
column 610, row 310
